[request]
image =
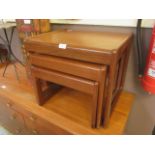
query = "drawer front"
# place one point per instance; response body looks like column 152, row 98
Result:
column 77, row 68
column 35, row 124
column 11, row 119
column 39, row 126
column 21, row 121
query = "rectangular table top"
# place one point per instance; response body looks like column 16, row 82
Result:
column 108, row 41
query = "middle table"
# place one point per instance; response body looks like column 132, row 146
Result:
column 86, row 77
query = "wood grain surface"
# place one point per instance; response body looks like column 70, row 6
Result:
column 68, row 110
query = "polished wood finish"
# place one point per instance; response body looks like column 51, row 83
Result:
column 89, row 71
column 100, row 48
column 96, row 47
column 81, row 69
column 10, row 118
column 65, row 80
column 108, row 41
column 67, row 112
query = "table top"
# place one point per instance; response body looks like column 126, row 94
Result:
column 83, row 39
column 7, row 25
column 63, row 108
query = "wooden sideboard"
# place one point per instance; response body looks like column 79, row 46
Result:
column 64, row 113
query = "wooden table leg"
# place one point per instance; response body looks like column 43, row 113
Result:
column 38, row 90
column 94, row 106
column 107, row 106
column 41, row 94
column 101, row 96
column 118, row 87
column 126, row 59
column 121, row 66
column 112, row 69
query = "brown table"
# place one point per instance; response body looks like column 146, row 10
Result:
column 106, row 49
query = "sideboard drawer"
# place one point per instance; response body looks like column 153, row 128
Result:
column 10, row 118
column 21, row 121
column 40, row 126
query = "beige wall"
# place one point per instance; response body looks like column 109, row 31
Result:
column 142, row 116
column 147, row 23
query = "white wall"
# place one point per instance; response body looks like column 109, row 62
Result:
column 107, row 22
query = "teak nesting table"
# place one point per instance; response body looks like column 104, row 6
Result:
column 92, row 62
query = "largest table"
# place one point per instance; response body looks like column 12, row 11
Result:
column 103, row 48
